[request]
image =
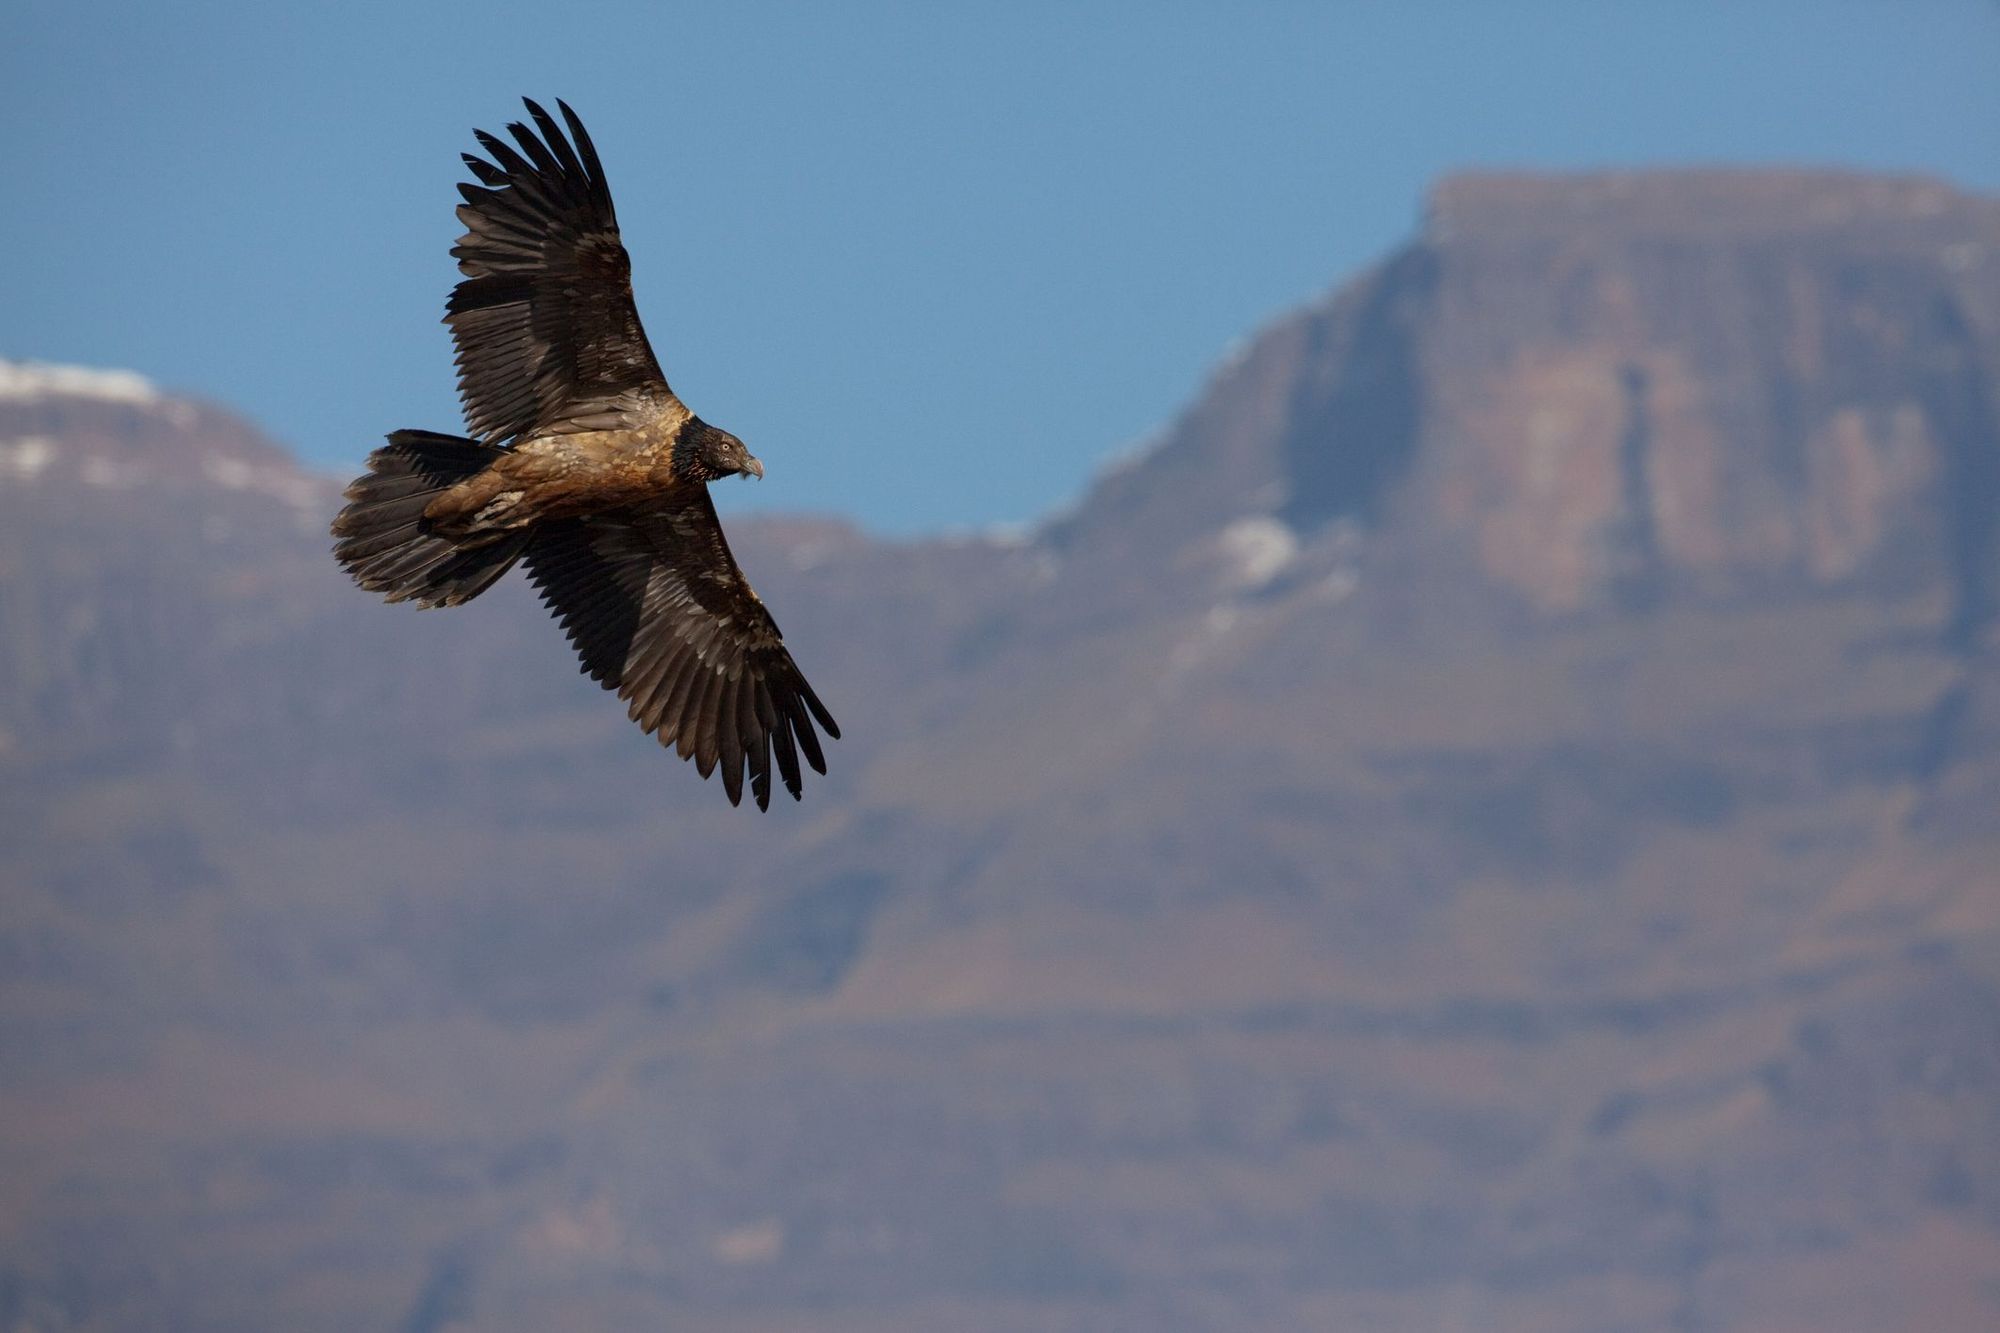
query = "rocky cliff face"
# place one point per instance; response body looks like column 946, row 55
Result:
column 1489, row 822
column 1595, row 391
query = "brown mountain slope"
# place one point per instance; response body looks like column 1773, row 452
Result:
column 1487, row 824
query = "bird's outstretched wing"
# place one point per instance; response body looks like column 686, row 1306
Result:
column 548, row 338
column 658, row 611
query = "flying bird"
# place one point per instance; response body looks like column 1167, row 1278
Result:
column 581, row 463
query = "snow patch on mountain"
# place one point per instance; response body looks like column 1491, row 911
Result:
column 229, row 473
column 42, row 379
column 27, row 456
column 1256, row 549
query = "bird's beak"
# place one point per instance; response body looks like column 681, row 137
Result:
column 753, row 468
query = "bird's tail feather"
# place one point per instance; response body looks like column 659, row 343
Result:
column 387, row 546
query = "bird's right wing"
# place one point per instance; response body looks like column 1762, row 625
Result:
column 658, row 611
column 548, row 336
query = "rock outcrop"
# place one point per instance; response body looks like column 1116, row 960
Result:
column 1595, row 391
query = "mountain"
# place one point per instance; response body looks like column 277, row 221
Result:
column 1488, row 822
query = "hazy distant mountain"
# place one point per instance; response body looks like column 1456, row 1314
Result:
column 1490, row 822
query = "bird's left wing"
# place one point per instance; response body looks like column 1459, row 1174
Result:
column 548, row 336
column 658, row 611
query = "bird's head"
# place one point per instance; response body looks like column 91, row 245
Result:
column 705, row 453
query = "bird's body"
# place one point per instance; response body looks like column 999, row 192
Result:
column 589, row 468
column 562, row 476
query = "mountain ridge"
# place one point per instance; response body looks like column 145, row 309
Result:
column 1341, row 872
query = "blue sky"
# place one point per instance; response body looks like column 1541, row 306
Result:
column 936, row 263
